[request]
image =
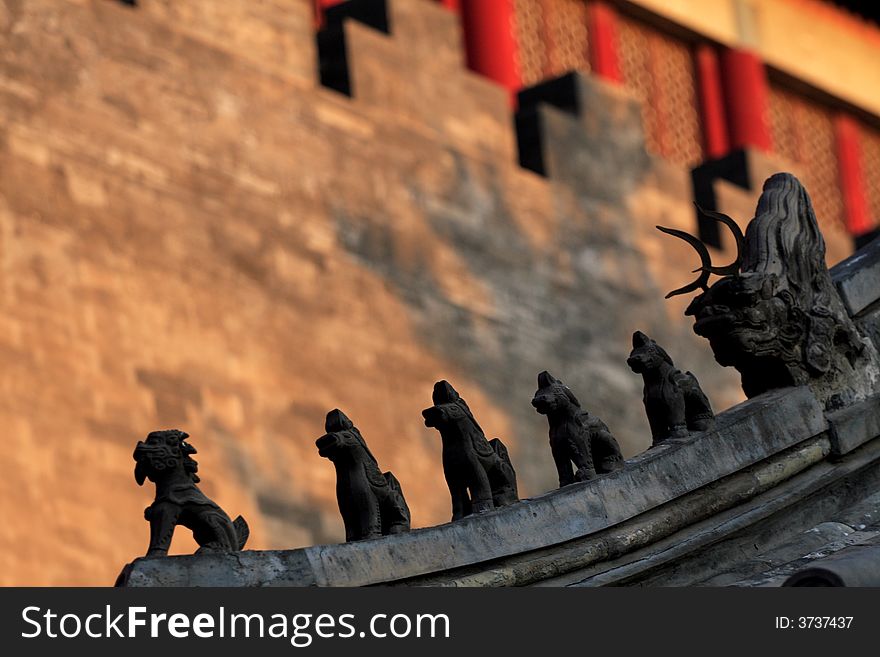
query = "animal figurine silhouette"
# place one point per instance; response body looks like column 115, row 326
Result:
column 478, row 471
column 674, row 402
column 371, row 502
column 165, row 458
column 575, row 435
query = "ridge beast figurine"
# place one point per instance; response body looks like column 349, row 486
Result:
column 371, row 502
column 674, row 402
column 165, row 458
column 478, row 471
column 774, row 314
column 575, row 435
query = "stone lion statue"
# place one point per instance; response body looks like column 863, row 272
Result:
column 165, row 458
column 576, row 436
column 371, row 502
column 478, row 472
column 674, row 402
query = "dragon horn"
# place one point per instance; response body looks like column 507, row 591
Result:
column 703, row 279
column 733, row 267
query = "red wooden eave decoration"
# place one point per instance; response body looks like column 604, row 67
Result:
column 852, row 179
column 711, row 97
column 490, row 41
column 602, row 30
column 747, row 99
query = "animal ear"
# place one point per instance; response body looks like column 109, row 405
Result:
column 337, row 421
column 571, row 397
column 545, row 379
column 444, row 393
column 185, row 447
column 640, row 340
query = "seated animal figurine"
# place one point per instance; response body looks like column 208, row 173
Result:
column 674, row 402
column 165, row 459
column 371, row 503
column 575, row 435
column 478, row 471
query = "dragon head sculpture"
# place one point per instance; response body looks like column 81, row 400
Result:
column 774, row 314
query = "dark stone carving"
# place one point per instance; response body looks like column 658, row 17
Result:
column 775, row 315
column 674, row 403
column 478, row 471
column 165, row 458
column 575, row 435
column 371, row 502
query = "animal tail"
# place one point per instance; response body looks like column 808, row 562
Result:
column 592, row 422
column 392, row 482
column 503, row 479
column 242, row 531
column 501, row 450
column 396, row 513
